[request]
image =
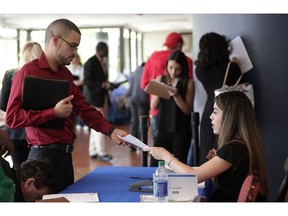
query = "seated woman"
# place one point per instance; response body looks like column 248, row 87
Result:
column 240, row 149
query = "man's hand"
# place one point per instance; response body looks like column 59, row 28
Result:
column 64, row 107
column 121, row 133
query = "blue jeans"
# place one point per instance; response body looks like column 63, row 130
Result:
column 154, row 127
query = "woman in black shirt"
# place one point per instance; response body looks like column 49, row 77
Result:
column 174, row 114
column 240, row 149
column 211, row 65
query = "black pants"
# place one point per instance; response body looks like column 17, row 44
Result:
column 177, row 144
column 62, row 162
column 137, row 110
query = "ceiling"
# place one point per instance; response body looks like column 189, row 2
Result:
column 138, row 22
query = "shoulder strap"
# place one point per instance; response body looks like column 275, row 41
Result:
column 226, row 74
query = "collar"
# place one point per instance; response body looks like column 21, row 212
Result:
column 43, row 63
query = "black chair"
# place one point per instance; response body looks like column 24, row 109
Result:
column 283, row 190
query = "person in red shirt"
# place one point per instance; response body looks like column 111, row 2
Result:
column 156, row 65
column 62, row 39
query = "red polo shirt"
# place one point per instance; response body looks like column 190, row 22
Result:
column 16, row 117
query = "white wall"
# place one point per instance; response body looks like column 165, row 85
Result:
column 153, row 41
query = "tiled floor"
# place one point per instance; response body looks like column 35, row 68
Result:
column 122, row 156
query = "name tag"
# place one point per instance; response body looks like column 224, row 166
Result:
column 182, row 187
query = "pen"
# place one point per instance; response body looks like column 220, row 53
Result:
column 143, row 178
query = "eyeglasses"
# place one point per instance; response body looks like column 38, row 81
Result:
column 72, row 45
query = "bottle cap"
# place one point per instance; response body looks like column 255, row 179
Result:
column 161, row 163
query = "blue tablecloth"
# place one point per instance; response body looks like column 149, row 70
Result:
column 112, row 183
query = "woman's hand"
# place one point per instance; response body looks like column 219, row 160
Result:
column 236, row 60
column 159, row 153
column 212, row 153
column 173, row 93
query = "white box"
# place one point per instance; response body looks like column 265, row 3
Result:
column 182, row 187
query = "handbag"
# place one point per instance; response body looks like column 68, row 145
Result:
column 246, row 88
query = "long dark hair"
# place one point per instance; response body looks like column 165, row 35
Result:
column 214, row 49
column 180, row 58
column 239, row 123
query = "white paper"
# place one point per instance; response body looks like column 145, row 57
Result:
column 201, row 185
column 133, row 140
column 75, row 197
column 238, row 50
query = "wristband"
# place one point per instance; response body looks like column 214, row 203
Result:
column 111, row 131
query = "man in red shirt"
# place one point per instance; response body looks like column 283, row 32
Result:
column 62, row 39
column 156, row 65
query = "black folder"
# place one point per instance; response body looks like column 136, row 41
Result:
column 42, row 93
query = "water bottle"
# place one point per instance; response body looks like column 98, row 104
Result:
column 161, row 183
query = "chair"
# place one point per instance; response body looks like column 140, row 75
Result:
column 283, row 190
column 250, row 188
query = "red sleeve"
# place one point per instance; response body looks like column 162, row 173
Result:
column 89, row 114
column 190, row 65
column 16, row 117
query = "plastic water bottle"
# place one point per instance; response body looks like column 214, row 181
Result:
column 161, row 183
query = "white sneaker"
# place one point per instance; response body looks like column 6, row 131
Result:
column 85, row 128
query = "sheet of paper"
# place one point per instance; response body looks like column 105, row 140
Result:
column 201, row 185
column 75, row 197
column 133, row 140
column 238, row 50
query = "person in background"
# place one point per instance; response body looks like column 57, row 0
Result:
column 31, row 50
column 139, row 103
column 156, row 65
column 240, row 149
column 174, row 115
column 30, row 180
column 211, row 65
column 62, row 39
column 95, row 89
column 77, row 71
